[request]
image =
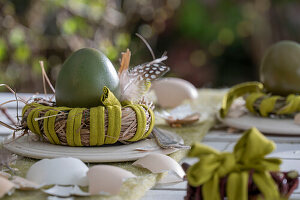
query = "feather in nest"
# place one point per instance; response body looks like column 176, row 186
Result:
column 132, row 87
column 135, row 83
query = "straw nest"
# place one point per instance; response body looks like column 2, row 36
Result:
column 128, row 123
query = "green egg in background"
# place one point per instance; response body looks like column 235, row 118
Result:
column 82, row 78
column 280, row 68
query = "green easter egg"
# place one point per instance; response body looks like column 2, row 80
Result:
column 280, row 68
column 82, row 78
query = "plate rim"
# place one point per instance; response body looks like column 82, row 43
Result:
column 19, row 147
column 233, row 122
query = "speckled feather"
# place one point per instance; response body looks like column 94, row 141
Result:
column 133, row 82
column 149, row 71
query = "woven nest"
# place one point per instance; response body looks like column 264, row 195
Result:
column 128, row 129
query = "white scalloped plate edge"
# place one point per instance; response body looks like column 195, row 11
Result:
column 265, row 125
column 26, row 147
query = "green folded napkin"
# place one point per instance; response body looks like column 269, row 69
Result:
column 249, row 154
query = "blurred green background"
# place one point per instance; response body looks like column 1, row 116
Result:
column 211, row 43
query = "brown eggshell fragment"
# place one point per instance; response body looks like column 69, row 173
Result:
column 187, row 120
column 159, row 163
column 106, row 179
column 5, row 186
column 171, row 92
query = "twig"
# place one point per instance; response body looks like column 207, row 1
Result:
column 4, row 111
column 8, row 126
column 46, row 77
column 44, row 81
column 2, row 104
column 40, row 118
column 12, row 91
column 14, row 139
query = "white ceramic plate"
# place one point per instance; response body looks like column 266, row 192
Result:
column 26, row 146
column 265, row 125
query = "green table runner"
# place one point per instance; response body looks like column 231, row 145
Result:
column 208, row 103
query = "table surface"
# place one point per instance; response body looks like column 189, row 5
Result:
column 288, row 147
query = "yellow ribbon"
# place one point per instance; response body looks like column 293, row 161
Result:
column 251, row 99
column 273, row 104
column 249, row 154
column 97, row 124
column 108, row 98
column 259, row 102
column 292, row 105
column 267, row 105
column 238, row 91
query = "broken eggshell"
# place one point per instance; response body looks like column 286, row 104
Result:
column 5, row 186
column 181, row 115
column 24, row 184
column 171, row 92
column 106, row 179
column 65, row 191
column 60, row 171
column 160, row 163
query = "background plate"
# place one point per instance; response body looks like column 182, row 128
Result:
column 265, row 125
column 26, row 146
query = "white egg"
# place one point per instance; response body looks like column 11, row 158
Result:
column 59, row 171
column 160, row 163
column 171, row 92
column 106, row 179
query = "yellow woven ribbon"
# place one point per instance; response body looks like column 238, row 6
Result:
column 98, row 135
column 108, row 98
column 33, row 124
column 74, row 122
column 48, row 121
column 292, row 105
column 273, row 104
column 249, row 154
column 250, row 100
column 97, row 122
column 267, row 104
column 152, row 121
column 114, row 112
column 238, row 91
column 140, row 111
